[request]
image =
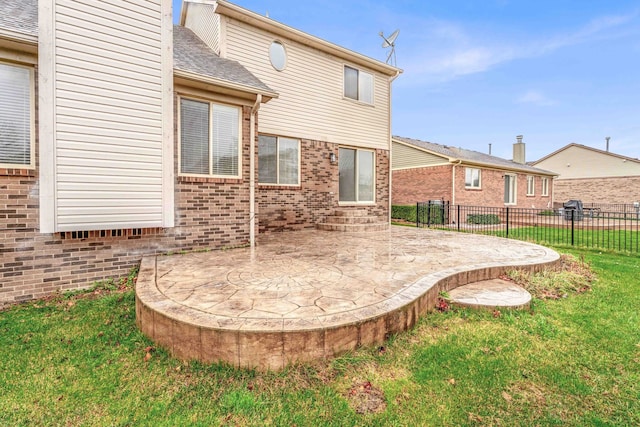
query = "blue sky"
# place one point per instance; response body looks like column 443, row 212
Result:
column 479, row 72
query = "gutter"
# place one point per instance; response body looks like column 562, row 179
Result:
column 223, row 83
column 252, row 172
column 391, row 79
column 453, row 182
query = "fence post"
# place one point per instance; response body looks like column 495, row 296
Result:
column 429, row 214
column 458, row 206
column 573, row 211
column 418, row 215
column 507, row 221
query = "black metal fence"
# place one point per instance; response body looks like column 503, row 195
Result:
column 589, row 227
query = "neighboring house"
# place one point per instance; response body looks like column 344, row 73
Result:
column 123, row 135
column 593, row 175
column 425, row 171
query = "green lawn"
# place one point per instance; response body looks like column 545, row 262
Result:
column 571, row 361
column 616, row 240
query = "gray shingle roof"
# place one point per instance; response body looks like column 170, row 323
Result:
column 192, row 55
column 20, row 16
column 470, row 156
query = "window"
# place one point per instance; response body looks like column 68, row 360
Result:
column 278, row 56
column 356, row 180
column 531, row 185
column 358, row 85
column 209, row 139
column 545, row 186
column 16, row 121
column 472, row 178
column 278, row 160
column 510, row 189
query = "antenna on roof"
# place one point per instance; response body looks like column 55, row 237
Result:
column 390, row 42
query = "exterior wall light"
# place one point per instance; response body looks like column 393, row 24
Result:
column 332, row 158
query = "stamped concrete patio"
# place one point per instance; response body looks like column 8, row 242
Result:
column 308, row 295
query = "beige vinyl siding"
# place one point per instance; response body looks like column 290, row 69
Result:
column 205, row 23
column 109, row 110
column 578, row 162
column 311, row 103
column 405, row 157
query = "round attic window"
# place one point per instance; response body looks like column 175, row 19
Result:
column 278, row 56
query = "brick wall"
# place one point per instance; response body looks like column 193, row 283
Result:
column 286, row 208
column 492, row 191
column 598, row 190
column 433, row 183
column 210, row 213
column 421, row 184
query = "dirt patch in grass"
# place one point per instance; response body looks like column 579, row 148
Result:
column 365, row 398
column 570, row 276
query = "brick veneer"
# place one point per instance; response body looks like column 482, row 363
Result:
column 283, row 208
column 598, row 190
column 209, row 213
column 435, row 183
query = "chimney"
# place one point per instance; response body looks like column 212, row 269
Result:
column 518, row 151
column 607, row 139
column 489, row 148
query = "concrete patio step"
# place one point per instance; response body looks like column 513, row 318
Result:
column 336, row 219
column 351, row 212
column 375, row 226
column 353, row 220
column 491, row 294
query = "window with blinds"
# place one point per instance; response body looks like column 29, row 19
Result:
column 358, row 85
column 16, row 105
column 278, row 160
column 356, row 175
column 209, row 139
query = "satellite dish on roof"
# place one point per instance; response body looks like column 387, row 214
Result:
column 390, row 42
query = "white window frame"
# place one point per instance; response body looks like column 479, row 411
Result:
column 297, row 184
column 357, row 166
column 359, row 98
column 513, row 190
column 545, row 186
column 466, row 183
column 32, row 122
column 212, row 104
column 531, row 185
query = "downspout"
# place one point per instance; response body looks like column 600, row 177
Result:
column 391, row 79
column 453, row 183
column 252, row 172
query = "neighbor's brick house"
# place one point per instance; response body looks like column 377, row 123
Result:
column 593, row 175
column 140, row 137
column 425, row 171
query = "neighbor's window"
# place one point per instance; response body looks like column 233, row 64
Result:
column 510, row 189
column 531, row 185
column 209, row 139
column 357, row 175
column 358, row 85
column 278, row 160
column 472, row 178
column 545, row 186
column 278, row 56
column 16, row 121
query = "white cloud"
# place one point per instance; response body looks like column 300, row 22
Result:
column 535, row 98
column 444, row 50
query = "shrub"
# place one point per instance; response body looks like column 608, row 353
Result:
column 547, row 212
column 404, row 212
column 483, row 219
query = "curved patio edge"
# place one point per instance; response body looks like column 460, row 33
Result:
column 273, row 343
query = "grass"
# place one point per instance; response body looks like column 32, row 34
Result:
column 80, row 360
column 618, row 240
